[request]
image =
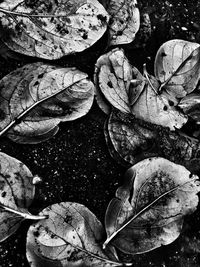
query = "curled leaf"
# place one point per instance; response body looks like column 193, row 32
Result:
column 16, row 194
column 115, row 81
column 177, row 67
column 149, row 209
column 70, row 236
column 51, row 29
column 125, row 21
column 134, row 140
column 156, row 108
column 34, row 99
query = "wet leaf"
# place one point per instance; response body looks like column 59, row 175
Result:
column 177, row 67
column 190, row 105
column 16, row 194
column 156, row 108
column 149, row 209
column 71, row 236
column 134, row 140
column 115, row 81
column 34, row 99
column 51, row 29
column 125, row 21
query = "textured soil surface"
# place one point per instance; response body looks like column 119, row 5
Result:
column 76, row 166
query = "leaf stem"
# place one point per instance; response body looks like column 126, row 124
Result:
column 27, row 215
column 145, row 73
column 142, row 211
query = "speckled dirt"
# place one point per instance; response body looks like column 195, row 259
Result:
column 75, row 165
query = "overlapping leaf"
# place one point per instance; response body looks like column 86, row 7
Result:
column 36, row 97
column 125, row 21
column 133, row 139
column 149, row 208
column 70, row 236
column 190, row 105
column 177, row 67
column 16, row 194
column 51, row 29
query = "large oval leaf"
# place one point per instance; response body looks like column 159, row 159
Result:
column 70, row 236
column 134, row 139
column 177, row 67
column 51, row 29
column 125, row 21
column 16, row 194
column 148, row 210
column 36, row 97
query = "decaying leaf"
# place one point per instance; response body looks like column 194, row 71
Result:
column 177, row 67
column 133, row 140
column 51, row 29
column 157, row 108
column 190, row 105
column 36, row 97
column 70, row 236
column 125, row 21
column 149, row 209
column 115, row 81
column 16, row 194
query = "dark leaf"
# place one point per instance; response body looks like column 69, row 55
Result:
column 149, row 209
column 34, row 99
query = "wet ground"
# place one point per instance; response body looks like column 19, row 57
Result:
column 75, row 165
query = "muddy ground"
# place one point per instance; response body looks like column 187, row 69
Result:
column 75, row 165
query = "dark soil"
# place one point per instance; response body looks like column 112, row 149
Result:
column 76, row 166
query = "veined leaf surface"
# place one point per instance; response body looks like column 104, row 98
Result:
column 36, row 97
column 16, row 194
column 70, row 236
column 51, row 29
column 149, row 209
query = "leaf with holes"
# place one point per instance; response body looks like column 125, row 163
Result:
column 177, row 67
column 157, row 108
column 125, row 21
column 149, row 209
column 71, row 236
column 17, row 191
column 117, row 82
column 131, row 139
column 51, row 29
column 34, row 99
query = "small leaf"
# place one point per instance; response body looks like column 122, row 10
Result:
column 156, row 108
column 190, row 105
column 177, row 67
column 125, row 21
column 149, row 209
column 70, row 236
column 134, row 140
column 51, row 29
column 113, row 77
column 16, row 194
column 34, row 99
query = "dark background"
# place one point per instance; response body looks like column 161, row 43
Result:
column 75, row 165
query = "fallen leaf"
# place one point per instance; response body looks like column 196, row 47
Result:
column 34, row 99
column 134, row 140
column 190, row 105
column 149, row 209
column 125, row 21
column 16, row 195
column 70, row 236
column 114, row 79
column 177, row 67
column 157, row 108
column 51, row 29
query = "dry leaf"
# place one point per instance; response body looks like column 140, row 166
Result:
column 149, row 209
column 177, row 67
column 125, row 21
column 16, row 195
column 190, row 105
column 51, row 29
column 34, row 99
column 70, row 236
